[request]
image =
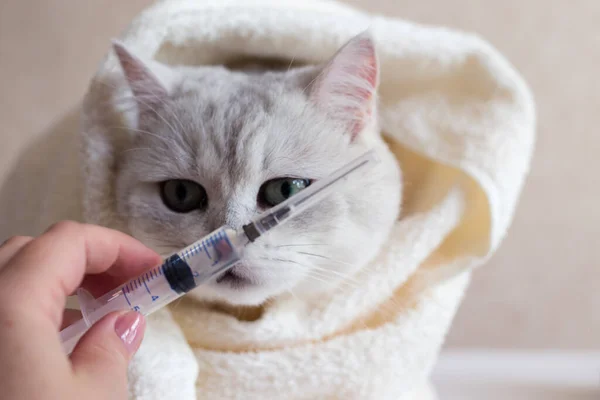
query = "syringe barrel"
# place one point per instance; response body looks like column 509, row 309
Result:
column 178, row 274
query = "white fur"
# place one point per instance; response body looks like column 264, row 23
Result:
column 208, row 125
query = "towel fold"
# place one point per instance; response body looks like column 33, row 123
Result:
column 461, row 122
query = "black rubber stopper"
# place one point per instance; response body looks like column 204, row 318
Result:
column 179, row 274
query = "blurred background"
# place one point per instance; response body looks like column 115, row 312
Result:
column 542, row 289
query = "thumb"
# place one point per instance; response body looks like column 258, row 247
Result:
column 102, row 355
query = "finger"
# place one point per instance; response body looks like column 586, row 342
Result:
column 100, row 284
column 101, row 357
column 54, row 264
column 11, row 247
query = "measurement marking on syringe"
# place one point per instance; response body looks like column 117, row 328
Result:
column 125, row 295
column 228, row 242
column 214, row 245
column 205, row 250
column 148, row 290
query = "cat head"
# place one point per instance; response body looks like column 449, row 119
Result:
column 211, row 147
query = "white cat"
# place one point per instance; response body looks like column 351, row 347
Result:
column 214, row 146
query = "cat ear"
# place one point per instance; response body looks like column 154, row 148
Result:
column 346, row 86
column 150, row 81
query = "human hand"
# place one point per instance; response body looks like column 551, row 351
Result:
column 36, row 276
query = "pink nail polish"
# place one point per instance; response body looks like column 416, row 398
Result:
column 130, row 328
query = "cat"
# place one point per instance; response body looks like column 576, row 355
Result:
column 212, row 146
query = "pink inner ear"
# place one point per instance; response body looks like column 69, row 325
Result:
column 346, row 87
column 144, row 84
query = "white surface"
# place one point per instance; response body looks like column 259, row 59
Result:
column 489, row 375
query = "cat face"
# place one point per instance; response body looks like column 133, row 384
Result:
column 214, row 147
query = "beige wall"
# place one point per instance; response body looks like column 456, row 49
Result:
column 543, row 287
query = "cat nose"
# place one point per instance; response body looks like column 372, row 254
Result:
column 234, row 215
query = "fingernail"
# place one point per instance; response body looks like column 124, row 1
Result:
column 130, row 328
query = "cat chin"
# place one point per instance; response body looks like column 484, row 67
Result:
column 232, row 291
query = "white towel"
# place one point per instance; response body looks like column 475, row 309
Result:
column 460, row 120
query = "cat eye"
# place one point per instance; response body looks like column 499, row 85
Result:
column 278, row 190
column 183, row 196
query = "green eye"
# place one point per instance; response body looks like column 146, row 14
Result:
column 183, row 196
column 278, row 190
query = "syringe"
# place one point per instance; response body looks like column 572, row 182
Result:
column 207, row 258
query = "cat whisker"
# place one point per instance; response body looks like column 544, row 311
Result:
column 318, row 279
column 283, row 260
column 318, row 269
column 321, row 72
column 119, row 101
column 287, row 71
column 155, row 111
column 155, row 96
column 326, row 258
column 138, row 149
column 126, row 128
column 336, row 274
column 291, row 292
column 291, row 63
column 134, row 102
column 174, row 305
column 184, row 157
column 293, row 295
column 280, row 158
column 326, row 276
column 167, row 106
column 301, row 245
